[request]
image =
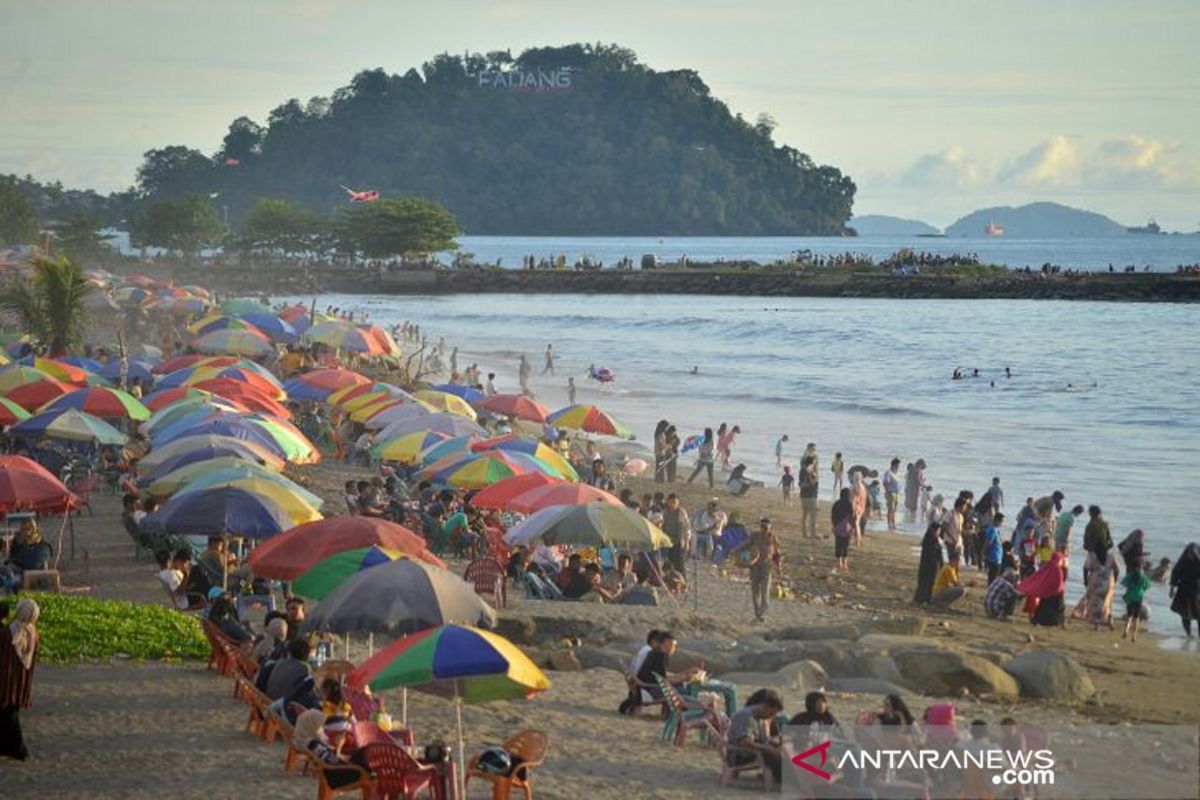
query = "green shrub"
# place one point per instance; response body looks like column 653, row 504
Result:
column 75, row 628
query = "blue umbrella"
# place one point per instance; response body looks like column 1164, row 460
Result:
column 299, row 390
column 136, row 369
column 232, row 448
column 465, row 392
column 90, row 364
column 230, row 425
column 176, row 379
column 272, row 326
column 219, row 512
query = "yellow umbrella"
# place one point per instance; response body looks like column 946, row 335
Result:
column 444, row 401
column 407, row 449
column 365, row 399
column 365, row 412
column 297, row 508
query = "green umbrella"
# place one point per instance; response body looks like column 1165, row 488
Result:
column 332, row 572
column 69, row 424
column 240, row 305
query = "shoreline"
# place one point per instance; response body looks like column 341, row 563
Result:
column 711, row 279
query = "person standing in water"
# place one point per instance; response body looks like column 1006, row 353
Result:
column 891, row 492
column 838, row 468
column 779, row 450
column 523, row 372
column 549, row 368
column 571, row 391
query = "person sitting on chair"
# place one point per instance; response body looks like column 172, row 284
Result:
column 747, row 737
column 29, row 551
column 173, row 572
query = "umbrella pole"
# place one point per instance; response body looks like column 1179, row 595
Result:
column 347, row 646
column 462, row 747
column 404, row 706
column 225, row 565
column 370, row 644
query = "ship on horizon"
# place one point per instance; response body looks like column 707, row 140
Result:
column 1150, row 227
column 992, row 229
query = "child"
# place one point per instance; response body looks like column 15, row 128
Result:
column 1136, row 582
column 838, row 468
column 787, row 482
column 875, row 500
column 1045, row 550
column 1027, row 553
column 926, row 500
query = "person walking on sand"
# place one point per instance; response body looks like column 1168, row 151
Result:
column 858, row 502
column 725, row 445
column 549, row 368
column 786, row 482
column 571, row 391
column 678, row 528
column 18, row 656
column 758, row 554
column 704, row 457
column 838, row 468
column 779, row 450
column 1136, row 584
column 808, row 498
column 842, row 518
column 891, row 492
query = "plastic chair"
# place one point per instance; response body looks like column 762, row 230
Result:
column 363, row 783
column 397, row 774
column 489, row 578
column 528, row 747
column 83, row 489
column 684, row 715
column 730, row 772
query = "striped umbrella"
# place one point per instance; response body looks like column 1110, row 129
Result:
column 208, row 446
column 272, row 326
column 344, row 336
column 296, row 508
column 483, row 469
column 559, row 494
column 465, row 392
column 330, row 573
column 32, row 396
column 171, row 482
column 500, row 493
column 532, row 447
column 14, row 375
column 591, row 420
column 589, row 525
column 70, row 425
column 343, row 397
column 239, row 306
column 407, row 449
column 443, row 401
column 442, row 422
column 242, row 343
column 320, row 383
column 165, row 397
column 517, row 406
column 11, row 413
column 100, row 401
column 290, row 555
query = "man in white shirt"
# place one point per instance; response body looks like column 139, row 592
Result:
column 173, row 574
column 490, row 390
column 706, row 527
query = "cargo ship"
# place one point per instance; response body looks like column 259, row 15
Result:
column 1150, row 227
column 992, row 229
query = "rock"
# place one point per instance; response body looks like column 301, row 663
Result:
column 552, row 630
column 716, row 664
column 889, row 642
column 749, row 682
column 517, row 630
column 805, row 676
column 808, row 633
column 601, row 657
column 564, row 661
column 863, row 686
column 904, row 626
column 1048, row 675
column 939, row 671
column 882, row 667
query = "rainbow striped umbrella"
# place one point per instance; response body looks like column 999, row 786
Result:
column 169, row 483
column 297, row 510
column 320, row 383
column 165, row 397
column 242, row 343
column 100, row 401
column 62, row 371
column 272, row 326
column 444, row 401
column 457, row 448
column 11, row 413
column 591, row 420
column 32, row 396
column 69, row 424
column 533, row 448
column 344, row 336
column 330, row 573
column 407, row 449
column 14, row 375
column 483, row 469
column 220, row 322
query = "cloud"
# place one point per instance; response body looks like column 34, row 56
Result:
column 1054, row 162
column 949, row 168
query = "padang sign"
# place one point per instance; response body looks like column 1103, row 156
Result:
column 527, row 80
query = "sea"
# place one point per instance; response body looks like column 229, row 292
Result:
column 1101, row 403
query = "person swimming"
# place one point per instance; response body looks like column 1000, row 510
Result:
column 695, row 371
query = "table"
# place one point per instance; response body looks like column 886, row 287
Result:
column 726, row 690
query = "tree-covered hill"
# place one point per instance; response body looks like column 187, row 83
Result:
column 581, row 139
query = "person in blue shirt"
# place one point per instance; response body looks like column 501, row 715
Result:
column 993, row 551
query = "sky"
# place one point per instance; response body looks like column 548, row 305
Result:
column 935, row 108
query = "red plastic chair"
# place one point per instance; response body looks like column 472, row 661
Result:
column 84, row 487
column 397, row 774
column 489, row 578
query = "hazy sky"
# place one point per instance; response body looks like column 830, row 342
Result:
column 934, row 108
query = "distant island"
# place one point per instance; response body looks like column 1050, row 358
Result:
column 1036, row 221
column 884, row 225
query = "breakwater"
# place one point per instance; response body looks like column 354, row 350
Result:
column 714, row 280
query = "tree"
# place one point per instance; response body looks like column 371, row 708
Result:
column 80, row 239
column 18, row 216
column 243, row 140
column 277, row 224
column 51, row 305
column 174, row 170
column 396, row 226
column 181, row 224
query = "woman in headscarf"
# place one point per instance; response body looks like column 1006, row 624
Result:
column 1044, row 591
column 937, row 511
column 18, row 655
column 29, row 550
column 858, row 503
column 1185, row 586
column 1133, row 549
column 272, row 640
column 931, row 562
column 844, row 528
column 1101, row 585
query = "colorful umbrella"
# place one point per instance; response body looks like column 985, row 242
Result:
column 290, row 555
column 246, row 395
column 240, row 306
column 344, row 336
column 11, row 413
column 232, row 426
column 517, row 406
column 532, row 447
column 61, row 371
column 442, row 422
column 400, row 597
column 444, row 401
column 102, row 402
column 330, row 573
column 483, row 469
column 243, row 471
column 465, row 392
column 205, row 447
column 14, row 375
column 192, row 410
column 165, row 397
column 142, row 370
column 342, row 397
column 457, row 448
column 171, row 482
column 296, row 508
column 272, row 326
column 191, row 360
column 500, row 493
column 88, row 364
column 69, row 424
column 219, row 512
column 389, row 414
column 589, row 419
column 382, row 338
column 221, row 322
column 590, row 525
column 367, row 410
column 562, row 494
column 26, row 485
column 32, row 396
column 407, row 449
column 243, row 343
column 320, row 383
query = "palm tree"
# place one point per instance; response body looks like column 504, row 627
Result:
column 51, row 305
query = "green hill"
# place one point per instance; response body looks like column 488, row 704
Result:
column 1036, row 221
column 581, row 139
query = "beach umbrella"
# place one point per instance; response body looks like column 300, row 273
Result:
column 342, row 335
column 457, row 448
column 26, row 485
column 390, row 413
column 162, row 398
column 32, row 396
column 137, row 368
column 483, row 469
column 69, row 424
column 463, row 663
column 397, row 598
column 517, row 406
column 465, row 392
column 14, row 375
column 192, row 410
column 407, row 449
column 589, row 419
column 171, row 482
column 295, row 444
column 11, row 413
column 342, row 398
column 443, row 401
column 560, row 494
column 256, row 378
column 272, row 326
column 232, row 426
column 294, row 312
column 296, row 508
column 100, row 401
column 320, row 383
column 221, row 322
column 205, row 447
column 382, row 338
column 191, row 360
column 500, row 493
column 61, row 371
column 330, row 573
column 244, row 475
column 532, row 447
column 442, row 422
column 367, row 410
column 240, row 306
column 354, row 403
column 590, row 525
column 220, row 511
column 88, row 364
column 291, row 554
column 243, row 343
column 246, row 395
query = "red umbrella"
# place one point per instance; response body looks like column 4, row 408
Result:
column 517, row 406
column 33, row 396
column 293, row 552
column 292, row 313
column 499, row 493
column 565, row 494
column 28, row 486
column 180, row 362
column 165, row 397
column 245, row 394
column 332, row 379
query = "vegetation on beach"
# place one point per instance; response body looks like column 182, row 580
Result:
column 18, row 215
column 78, row 627
column 184, row 224
column 51, row 306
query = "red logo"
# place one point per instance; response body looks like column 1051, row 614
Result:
column 823, row 749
